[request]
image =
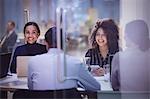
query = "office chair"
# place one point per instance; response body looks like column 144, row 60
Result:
column 46, row 94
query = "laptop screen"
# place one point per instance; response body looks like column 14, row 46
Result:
column 22, row 65
column 4, row 64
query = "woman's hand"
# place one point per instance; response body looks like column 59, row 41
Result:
column 98, row 71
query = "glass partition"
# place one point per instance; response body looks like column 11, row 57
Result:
column 76, row 19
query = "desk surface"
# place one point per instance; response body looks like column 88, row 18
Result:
column 12, row 83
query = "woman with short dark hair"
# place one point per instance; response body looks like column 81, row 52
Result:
column 31, row 47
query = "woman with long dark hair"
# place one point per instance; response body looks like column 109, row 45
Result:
column 104, row 41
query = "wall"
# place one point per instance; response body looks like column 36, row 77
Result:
column 1, row 16
column 11, row 10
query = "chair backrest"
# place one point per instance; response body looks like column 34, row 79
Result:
column 46, row 94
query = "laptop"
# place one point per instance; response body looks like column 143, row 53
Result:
column 22, row 65
column 4, row 64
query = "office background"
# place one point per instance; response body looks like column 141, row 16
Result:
column 81, row 15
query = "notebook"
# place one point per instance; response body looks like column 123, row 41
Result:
column 22, row 65
column 4, row 64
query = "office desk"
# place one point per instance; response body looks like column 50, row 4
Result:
column 12, row 83
column 20, row 83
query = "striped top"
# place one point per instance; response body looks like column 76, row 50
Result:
column 96, row 57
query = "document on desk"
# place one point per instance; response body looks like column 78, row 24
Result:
column 12, row 83
column 105, row 84
column 7, row 79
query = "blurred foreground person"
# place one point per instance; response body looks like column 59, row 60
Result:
column 130, row 68
column 54, row 70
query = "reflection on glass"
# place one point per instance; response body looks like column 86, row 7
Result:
column 86, row 61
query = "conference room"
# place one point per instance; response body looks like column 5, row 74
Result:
column 77, row 23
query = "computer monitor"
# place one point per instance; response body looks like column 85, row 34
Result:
column 22, row 65
column 4, row 64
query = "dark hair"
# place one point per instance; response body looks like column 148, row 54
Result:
column 31, row 23
column 112, row 34
column 137, row 31
column 12, row 23
column 51, row 37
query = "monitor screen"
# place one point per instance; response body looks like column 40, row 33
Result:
column 4, row 64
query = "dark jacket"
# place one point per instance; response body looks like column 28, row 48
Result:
column 9, row 43
column 26, row 50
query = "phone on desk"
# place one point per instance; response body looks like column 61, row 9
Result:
column 96, row 70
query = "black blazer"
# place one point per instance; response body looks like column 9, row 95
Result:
column 9, row 43
column 26, row 50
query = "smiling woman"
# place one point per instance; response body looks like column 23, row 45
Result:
column 31, row 33
column 31, row 48
column 104, row 41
